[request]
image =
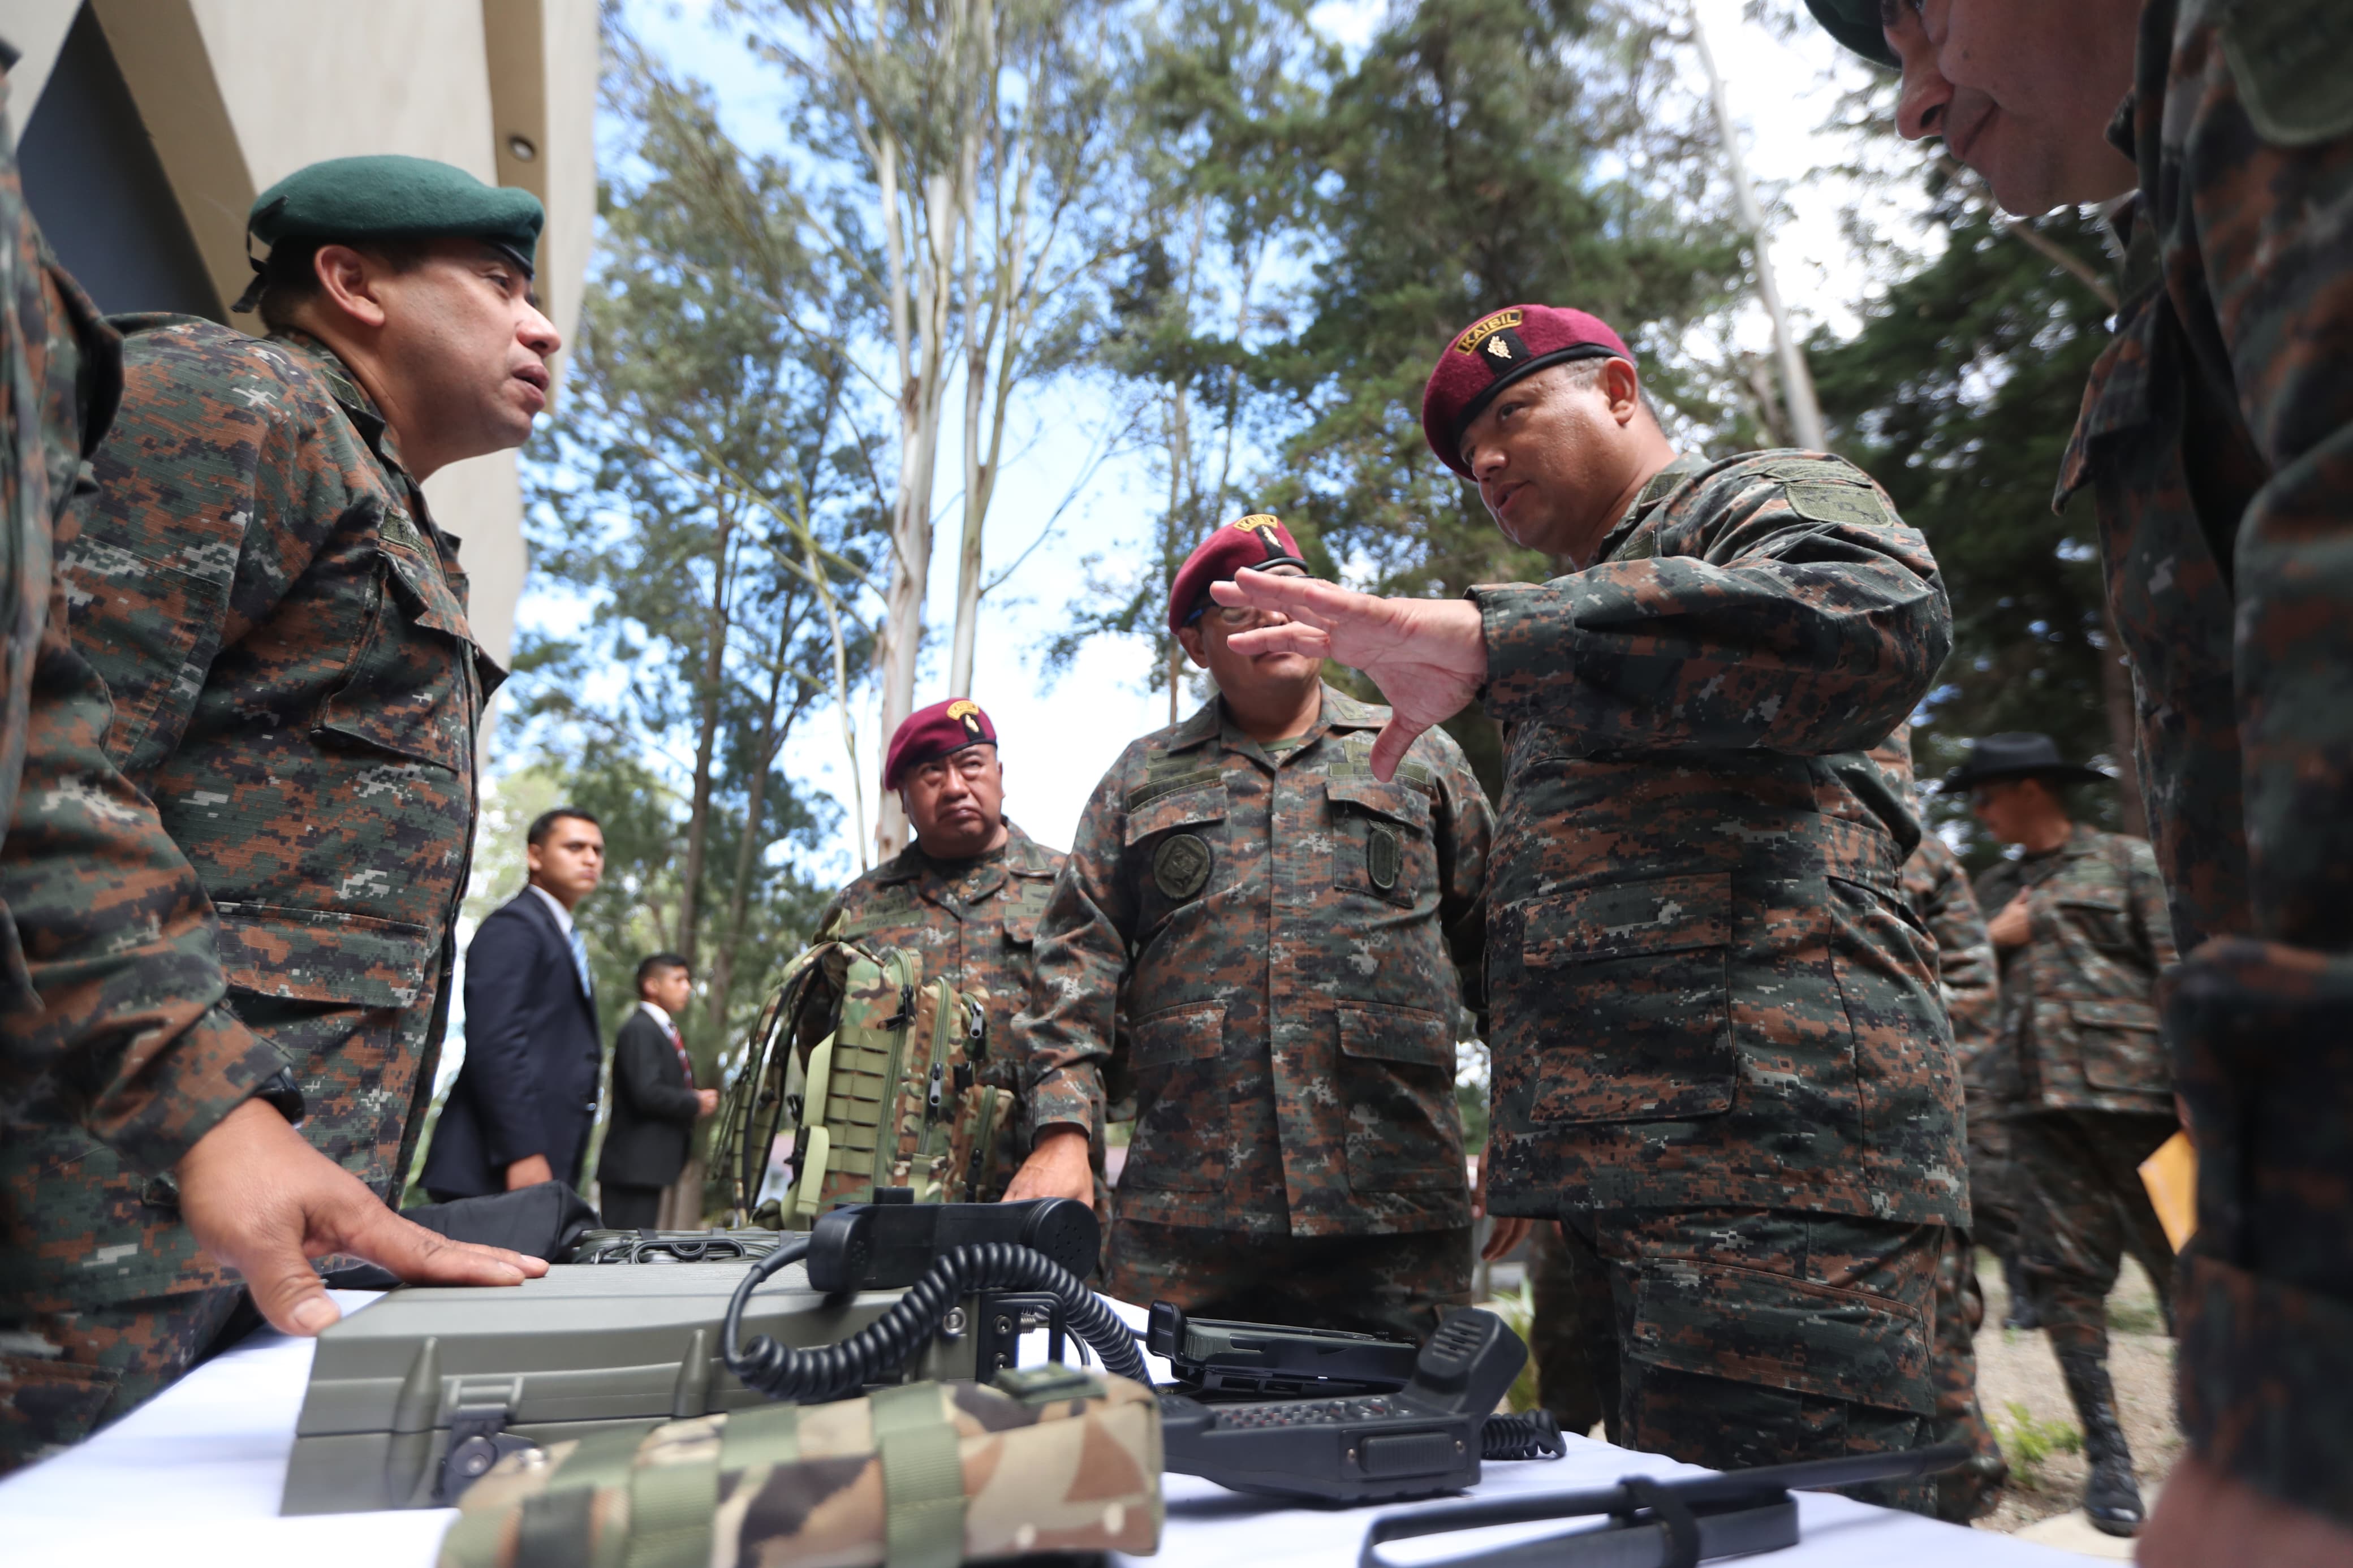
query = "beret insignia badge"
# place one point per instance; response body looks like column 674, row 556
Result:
column 966, row 711
column 1478, row 332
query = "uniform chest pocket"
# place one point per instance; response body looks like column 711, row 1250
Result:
column 1025, row 906
column 1173, row 842
column 412, row 686
column 1381, row 839
column 2095, row 915
column 1617, row 1005
column 2119, row 1042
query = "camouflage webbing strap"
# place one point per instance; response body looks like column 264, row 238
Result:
column 922, row 1478
column 552, row 1528
column 671, row 1510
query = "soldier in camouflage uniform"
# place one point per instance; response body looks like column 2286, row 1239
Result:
column 282, row 631
column 2214, row 437
column 1284, row 923
column 2082, row 930
column 966, row 894
column 1936, row 886
column 1720, row 1058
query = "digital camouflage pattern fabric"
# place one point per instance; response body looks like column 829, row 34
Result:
column 111, row 983
column 2082, row 1208
column 2078, row 1021
column 976, row 924
column 283, row 632
column 1401, row 1286
column 2217, row 438
column 1970, row 1490
column 1298, row 941
column 925, row 1474
column 1708, row 990
column 1742, row 1337
column 1563, row 1321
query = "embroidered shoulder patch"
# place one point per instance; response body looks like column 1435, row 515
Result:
column 2288, row 60
column 1838, row 503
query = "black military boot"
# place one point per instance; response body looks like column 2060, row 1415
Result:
column 2022, row 1315
column 2111, row 1496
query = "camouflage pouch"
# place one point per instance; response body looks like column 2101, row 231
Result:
column 921, row 1476
column 875, row 1074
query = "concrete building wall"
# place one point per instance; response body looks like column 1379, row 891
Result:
column 235, row 94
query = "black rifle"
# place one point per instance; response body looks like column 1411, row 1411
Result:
column 1655, row 1523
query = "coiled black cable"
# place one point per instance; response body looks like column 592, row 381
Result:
column 1535, row 1435
column 882, row 1347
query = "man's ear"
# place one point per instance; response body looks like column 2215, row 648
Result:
column 348, row 281
column 1623, row 388
column 1189, row 640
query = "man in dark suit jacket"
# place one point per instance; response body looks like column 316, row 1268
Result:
column 655, row 1102
column 523, row 1105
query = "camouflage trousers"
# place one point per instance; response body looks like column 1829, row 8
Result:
column 2082, row 1208
column 1970, row 1492
column 1397, row 1284
column 1742, row 1337
column 1993, row 1181
column 65, row 1374
column 1565, row 1320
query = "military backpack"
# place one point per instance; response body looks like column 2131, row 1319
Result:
column 873, row 1073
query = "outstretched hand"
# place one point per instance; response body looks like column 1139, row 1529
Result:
column 260, row 1199
column 1429, row 656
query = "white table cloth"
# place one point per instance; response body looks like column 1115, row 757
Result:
column 193, row 1480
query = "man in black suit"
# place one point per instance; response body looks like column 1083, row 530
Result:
column 523, row 1105
column 655, row 1102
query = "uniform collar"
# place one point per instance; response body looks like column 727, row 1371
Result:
column 1662, row 484
column 329, row 367
column 1338, row 712
column 1021, row 853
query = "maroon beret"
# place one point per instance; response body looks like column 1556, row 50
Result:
column 1257, row 541
column 1494, row 352
column 930, row 734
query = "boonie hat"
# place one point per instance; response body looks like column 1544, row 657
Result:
column 1495, row 350
column 1855, row 24
column 390, row 196
column 2017, row 754
column 1258, row 542
column 930, row 734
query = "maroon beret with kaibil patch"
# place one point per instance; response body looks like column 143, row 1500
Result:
column 1494, row 352
column 930, row 734
column 1257, row 541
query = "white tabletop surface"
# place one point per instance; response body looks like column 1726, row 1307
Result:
column 193, row 1479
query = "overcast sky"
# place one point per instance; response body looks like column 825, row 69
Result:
column 1059, row 737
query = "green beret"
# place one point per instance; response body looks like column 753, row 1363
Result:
column 1855, row 24
column 390, row 198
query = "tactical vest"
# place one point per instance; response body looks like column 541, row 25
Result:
column 875, row 1073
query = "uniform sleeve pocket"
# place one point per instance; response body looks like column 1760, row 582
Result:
column 324, row 956
column 2121, row 1052
column 1792, row 1334
column 1403, row 1130
column 1617, row 1008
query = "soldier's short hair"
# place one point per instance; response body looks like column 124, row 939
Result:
column 545, row 823
column 1585, row 373
column 653, row 963
column 290, row 276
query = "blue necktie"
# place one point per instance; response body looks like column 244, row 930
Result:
column 580, row 961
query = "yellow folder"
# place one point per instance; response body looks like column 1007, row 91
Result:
column 2171, row 1177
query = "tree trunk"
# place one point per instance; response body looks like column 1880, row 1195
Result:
column 2124, row 727
column 698, row 821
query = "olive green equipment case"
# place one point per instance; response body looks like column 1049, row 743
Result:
column 872, row 1070
column 429, row 1373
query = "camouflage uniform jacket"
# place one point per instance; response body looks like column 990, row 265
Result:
column 976, row 931
column 2217, row 438
column 296, row 688
column 110, row 973
column 2078, row 1024
column 1283, row 923
column 1708, row 990
column 1936, row 886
